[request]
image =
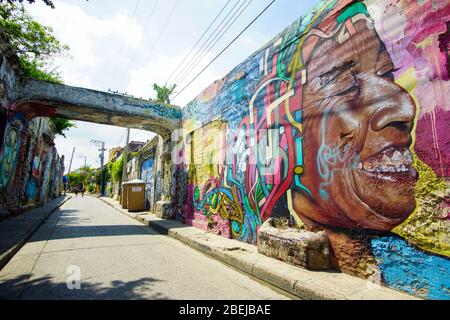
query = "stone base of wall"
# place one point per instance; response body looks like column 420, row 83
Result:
column 310, row 250
column 164, row 210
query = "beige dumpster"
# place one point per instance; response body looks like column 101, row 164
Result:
column 136, row 195
column 124, row 195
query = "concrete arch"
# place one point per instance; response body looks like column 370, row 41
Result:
column 42, row 99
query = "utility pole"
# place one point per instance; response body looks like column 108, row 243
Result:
column 85, row 160
column 70, row 167
column 71, row 159
column 125, row 158
column 101, row 145
column 102, row 164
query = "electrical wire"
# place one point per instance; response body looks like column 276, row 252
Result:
column 207, row 42
column 229, row 45
column 217, row 38
column 147, row 23
column 198, row 41
column 164, row 26
column 126, row 52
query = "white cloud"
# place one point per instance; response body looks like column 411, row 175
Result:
column 93, row 41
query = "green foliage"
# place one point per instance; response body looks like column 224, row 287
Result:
column 31, row 40
column 36, row 48
column 163, row 93
column 133, row 155
column 47, row 2
column 84, row 176
column 91, row 188
column 34, row 69
column 98, row 177
column 75, row 179
column 108, row 173
column 62, row 124
column 117, row 169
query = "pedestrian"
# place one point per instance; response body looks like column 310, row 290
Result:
column 82, row 192
column 76, row 192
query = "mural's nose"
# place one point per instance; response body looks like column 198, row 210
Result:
column 398, row 111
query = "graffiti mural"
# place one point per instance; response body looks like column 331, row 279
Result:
column 147, row 177
column 340, row 122
column 10, row 151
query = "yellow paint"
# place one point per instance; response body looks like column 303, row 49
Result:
column 424, row 228
column 425, row 43
column 299, row 222
column 299, row 170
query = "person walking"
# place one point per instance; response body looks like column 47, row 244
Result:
column 76, row 192
column 82, row 192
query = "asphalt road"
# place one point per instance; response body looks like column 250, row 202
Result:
column 87, row 250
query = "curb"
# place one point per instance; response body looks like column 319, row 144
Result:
column 9, row 254
column 296, row 281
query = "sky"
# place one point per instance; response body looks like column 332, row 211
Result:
column 122, row 45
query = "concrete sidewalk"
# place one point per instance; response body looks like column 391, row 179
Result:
column 300, row 282
column 15, row 231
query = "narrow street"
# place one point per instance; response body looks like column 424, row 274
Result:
column 116, row 258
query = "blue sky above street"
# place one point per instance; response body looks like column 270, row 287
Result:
column 111, row 45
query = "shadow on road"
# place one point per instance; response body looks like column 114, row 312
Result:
column 71, row 225
column 45, row 288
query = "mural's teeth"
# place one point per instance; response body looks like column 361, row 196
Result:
column 408, row 157
column 386, row 161
column 367, row 166
column 398, row 162
column 397, row 157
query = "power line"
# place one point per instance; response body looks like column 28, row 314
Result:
column 135, row 8
column 147, row 23
column 234, row 40
column 205, row 43
column 126, row 52
column 164, row 26
column 198, row 41
column 216, row 39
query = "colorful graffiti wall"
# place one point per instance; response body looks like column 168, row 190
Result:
column 341, row 122
column 30, row 169
column 147, row 177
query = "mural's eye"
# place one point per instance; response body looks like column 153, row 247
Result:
column 387, row 72
column 352, row 87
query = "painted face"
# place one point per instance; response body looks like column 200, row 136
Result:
column 9, row 155
column 357, row 136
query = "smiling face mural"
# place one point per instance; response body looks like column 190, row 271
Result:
column 9, row 152
column 339, row 123
column 357, row 128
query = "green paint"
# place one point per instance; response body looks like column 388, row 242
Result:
column 351, row 11
column 196, row 194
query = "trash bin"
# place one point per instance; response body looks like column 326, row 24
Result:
column 124, row 195
column 136, row 195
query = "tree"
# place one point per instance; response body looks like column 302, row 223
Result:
column 75, row 179
column 117, row 168
column 164, row 92
column 62, row 124
column 36, row 47
column 47, row 2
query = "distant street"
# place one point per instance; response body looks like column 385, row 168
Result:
column 87, row 250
